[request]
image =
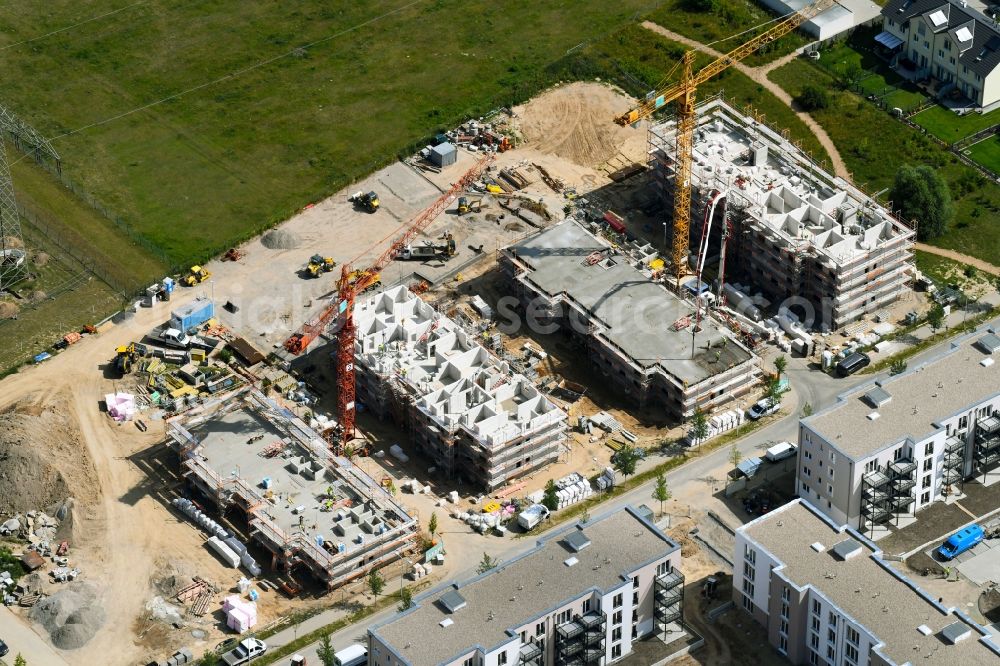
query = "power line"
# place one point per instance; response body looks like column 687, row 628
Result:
column 75, row 25
column 756, row 27
column 237, row 73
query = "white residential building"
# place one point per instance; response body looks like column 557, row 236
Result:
column 826, row 597
column 582, row 596
column 887, row 449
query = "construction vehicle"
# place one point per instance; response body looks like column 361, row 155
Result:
column 319, row 264
column 429, row 250
column 196, row 275
column 367, row 200
column 351, row 284
column 126, row 356
column 683, row 92
column 466, row 206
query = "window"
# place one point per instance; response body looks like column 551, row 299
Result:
column 564, row 616
column 786, row 594
column 929, row 449
column 663, row 567
column 815, row 623
column 747, row 587
column 928, row 463
column 813, row 658
column 635, row 581
column 925, row 497
column 616, row 618
column 784, row 610
column 897, row 454
column 616, row 634
column 748, row 571
column 831, row 636
column 540, row 629
column 853, row 637
column 870, row 466
column 587, row 603
column 468, row 662
column 635, row 630
column 831, row 653
column 749, row 554
column 784, row 626
column 807, row 471
column 926, row 483
column 782, row 644
column 816, row 607
column 940, row 53
column 850, row 654
column 501, row 659
column 617, row 602
column 814, row 641
column 921, row 28
column 616, row 651
column 635, row 598
column 832, row 620
column 747, row 603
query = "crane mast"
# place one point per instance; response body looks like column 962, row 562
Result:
column 683, row 93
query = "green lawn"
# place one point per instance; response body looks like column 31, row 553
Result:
column 950, row 126
column 987, row 153
column 945, row 271
column 726, row 19
column 212, row 167
column 874, row 154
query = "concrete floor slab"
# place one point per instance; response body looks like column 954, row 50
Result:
column 982, row 563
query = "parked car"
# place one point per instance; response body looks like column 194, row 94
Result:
column 762, row 408
column 249, row 648
column 355, row 655
column 853, row 363
column 781, row 451
column 3, row 649
column 961, row 541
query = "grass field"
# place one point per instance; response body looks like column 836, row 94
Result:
column 987, row 153
column 874, row 155
column 949, row 126
column 218, row 165
column 726, row 19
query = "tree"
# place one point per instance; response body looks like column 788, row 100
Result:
column 626, row 460
column 551, row 498
column 935, row 317
column 375, row 583
column 699, row 426
column 780, row 364
column 898, row 366
column 735, row 456
column 486, row 564
column 774, row 391
column 405, row 599
column 20, row 661
column 921, row 194
column 327, row 655
column 432, row 524
column 807, row 410
column 660, row 491
column 812, row 97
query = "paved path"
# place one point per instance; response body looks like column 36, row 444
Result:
column 21, row 639
column 984, row 266
column 759, row 75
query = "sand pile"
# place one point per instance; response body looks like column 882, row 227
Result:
column 43, row 462
column 8, row 310
column 12, row 243
column 40, row 259
column 71, row 616
column 280, row 240
column 575, row 122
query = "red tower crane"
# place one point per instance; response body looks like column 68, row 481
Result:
column 352, row 283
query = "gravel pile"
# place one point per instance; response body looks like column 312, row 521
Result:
column 280, row 240
column 71, row 616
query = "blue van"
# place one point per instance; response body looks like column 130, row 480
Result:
column 961, row 541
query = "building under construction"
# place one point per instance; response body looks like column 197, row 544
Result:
column 477, row 419
column 273, row 477
column 654, row 347
column 790, row 228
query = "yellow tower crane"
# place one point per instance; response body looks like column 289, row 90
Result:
column 683, row 92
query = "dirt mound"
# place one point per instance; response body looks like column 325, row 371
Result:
column 280, row 240
column 12, row 243
column 43, row 461
column 71, row 616
column 8, row 310
column 575, row 122
column 40, row 259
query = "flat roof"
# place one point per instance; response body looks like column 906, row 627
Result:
column 637, row 313
column 921, row 397
column 888, row 605
column 518, row 591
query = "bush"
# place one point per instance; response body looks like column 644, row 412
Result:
column 703, row 6
column 812, row 98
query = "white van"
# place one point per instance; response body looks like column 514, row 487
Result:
column 355, row 655
column 781, row 451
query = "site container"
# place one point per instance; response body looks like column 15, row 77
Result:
column 193, row 314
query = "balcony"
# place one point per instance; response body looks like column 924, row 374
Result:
column 901, row 502
column 875, row 496
column 989, row 425
column 875, row 479
column 669, row 580
column 987, row 445
column 875, row 513
column 531, row 655
column 568, row 631
column 954, row 445
column 903, row 486
column 902, row 467
column 952, row 475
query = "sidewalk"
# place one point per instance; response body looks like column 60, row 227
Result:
column 21, row 639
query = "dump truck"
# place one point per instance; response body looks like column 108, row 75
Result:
column 367, row 200
column 249, row 648
column 196, row 275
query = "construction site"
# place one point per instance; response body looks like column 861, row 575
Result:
column 656, row 348
column 780, row 225
column 275, row 480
